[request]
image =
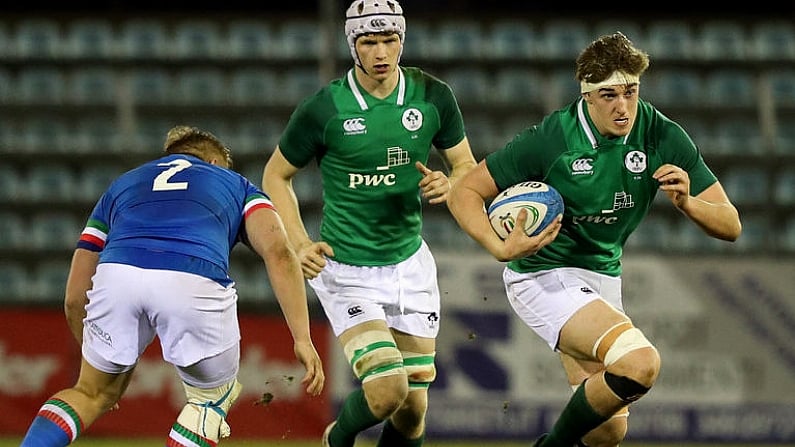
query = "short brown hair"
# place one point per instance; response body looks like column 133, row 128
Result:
column 197, row 142
column 607, row 54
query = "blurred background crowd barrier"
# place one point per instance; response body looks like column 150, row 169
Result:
column 84, row 97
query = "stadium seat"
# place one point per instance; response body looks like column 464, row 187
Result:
column 416, row 47
column 54, row 231
column 772, row 40
column 205, row 86
column 144, row 39
column 94, row 180
column 44, row 134
column 98, row 134
column 38, row 38
column 90, row 38
column 563, row 39
column 15, row 280
column 653, row 233
column 700, row 131
column 740, row 136
column 93, row 85
column 151, row 86
column 298, row 83
column 197, row 39
column 674, row 87
column 730, row 88
column 12, row 184
column 511, row 39
column 49, row 279
column 784, row 192
column 254, row 86
column 563, row 88
column 756, row 230
column 722, row 40
column 258, row 136
column 746, row 185
column 471, row 85
column 40, row 85
column 14, row 230
column 6, row 42
column 50, row 182
column 7, row 88
column 482, row 134
column 670, row 40
column 782, row 86
column 299, row 39
column 784, row 142
column 458, row 39
column 787, row 238
column 687, row 237
column 521, row 87
column 150, row 134
column 250, row 39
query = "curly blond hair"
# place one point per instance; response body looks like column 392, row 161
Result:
column 197, row 142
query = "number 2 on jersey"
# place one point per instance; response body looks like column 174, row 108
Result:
column 161, row 181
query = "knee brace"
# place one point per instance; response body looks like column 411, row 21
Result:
column 618, row 341
column 420, row 369
column 374, row 354
column 625, row 388
column 205, row 412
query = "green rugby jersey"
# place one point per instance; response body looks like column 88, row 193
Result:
column 366, row 149
column 606, row 183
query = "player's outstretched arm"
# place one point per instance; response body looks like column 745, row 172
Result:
column 268, row 238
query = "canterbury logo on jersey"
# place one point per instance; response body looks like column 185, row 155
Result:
column 354, row 126
column 582, row 166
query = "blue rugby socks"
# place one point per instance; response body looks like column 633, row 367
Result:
column 55, row 425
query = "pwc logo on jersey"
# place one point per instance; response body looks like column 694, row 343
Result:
column 354, row 126
column 395, row 156
column 582, row 166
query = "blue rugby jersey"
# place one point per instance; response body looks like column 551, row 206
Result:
column 175, row 213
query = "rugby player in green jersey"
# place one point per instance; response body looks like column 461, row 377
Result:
column 608, row 153
column 371, row 133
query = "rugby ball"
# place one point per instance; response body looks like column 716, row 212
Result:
column 542, row 202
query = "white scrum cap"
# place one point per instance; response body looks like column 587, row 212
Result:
column 373, row 16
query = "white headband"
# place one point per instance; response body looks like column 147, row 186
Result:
column 617, row 78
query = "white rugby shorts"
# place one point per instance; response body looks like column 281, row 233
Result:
column 545, row 300
column 194, row 317
column 405, row 295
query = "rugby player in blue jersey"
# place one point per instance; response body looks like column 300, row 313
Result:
column 153, row 260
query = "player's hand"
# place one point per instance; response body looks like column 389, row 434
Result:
column 313, row 258
column 675, row 182
column 519, row 245
column 315, row 378
column 435, row 185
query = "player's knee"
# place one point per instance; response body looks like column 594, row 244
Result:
column 386, row 395
column 374, row 354
column 420, row 368
column 206, row 410
column 626, row 352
